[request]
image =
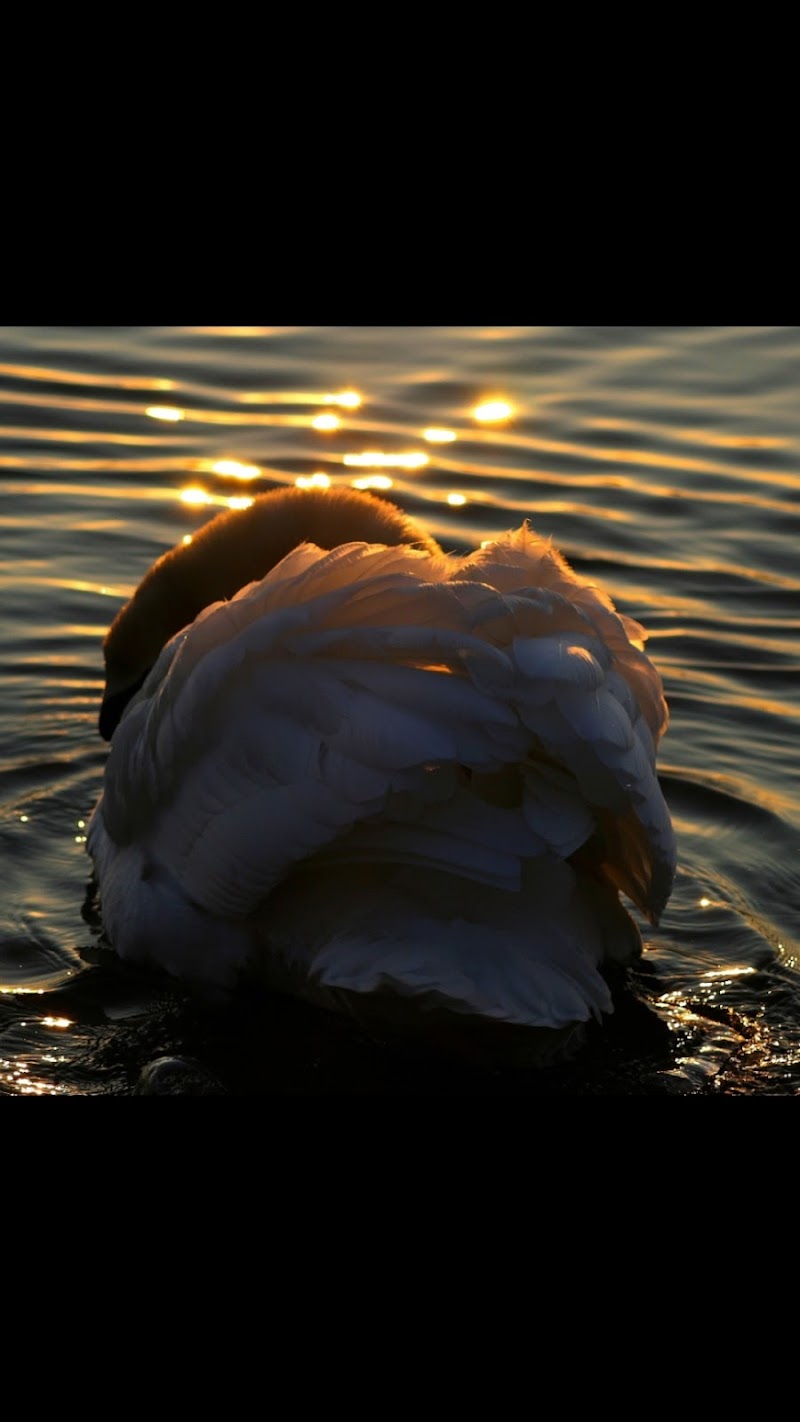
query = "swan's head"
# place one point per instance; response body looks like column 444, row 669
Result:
column 232, row 550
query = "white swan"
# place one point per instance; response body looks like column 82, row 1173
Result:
column 380, row 774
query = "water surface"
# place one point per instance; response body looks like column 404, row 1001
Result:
column 662, row 461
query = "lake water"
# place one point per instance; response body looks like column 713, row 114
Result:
column 664, row 462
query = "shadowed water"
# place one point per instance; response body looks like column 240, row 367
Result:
column 662, row 461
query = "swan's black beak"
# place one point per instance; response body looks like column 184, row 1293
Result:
column 114, row 703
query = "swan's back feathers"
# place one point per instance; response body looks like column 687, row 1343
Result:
column 385, row 711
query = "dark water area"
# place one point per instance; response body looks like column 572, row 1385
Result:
column 664, row 463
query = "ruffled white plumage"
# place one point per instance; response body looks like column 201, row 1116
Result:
column 367, row 772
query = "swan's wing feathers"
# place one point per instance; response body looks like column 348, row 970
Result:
column 553, row 664
column 523, row 558
column 459, row 833
column 556, row 809
column 248, row 843
column 465, row 718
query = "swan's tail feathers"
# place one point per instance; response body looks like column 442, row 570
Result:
column 530, row 958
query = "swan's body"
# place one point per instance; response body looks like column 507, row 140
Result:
column 380, row 771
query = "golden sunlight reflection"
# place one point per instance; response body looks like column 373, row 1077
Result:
column 492, row 411
column 239, row 331
column 729, row 973
column 73, row 377
column 56, row 1022
column 375, row 459
column 33, row 1086
column 232, row 469
column 456, row 499
column 325, row 422
column 164, row 412
column 313, row 481
column 187, row 538
column 196, row 497
column 373, row 481
column 691, row 434
column 346, row 399
column 436, row 436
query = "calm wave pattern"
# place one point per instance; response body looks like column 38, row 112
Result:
column 664, row 464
